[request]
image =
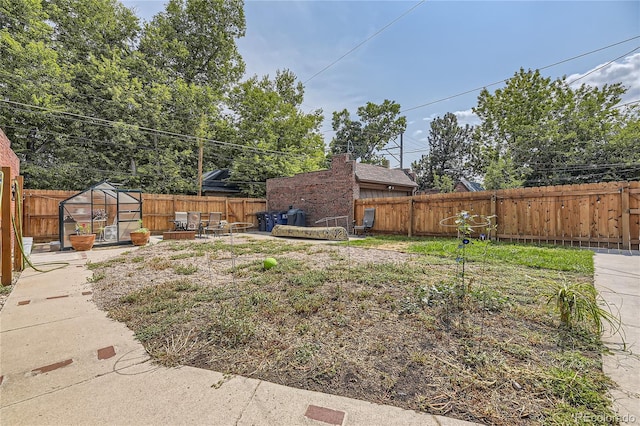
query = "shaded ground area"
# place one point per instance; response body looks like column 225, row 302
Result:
column 374, row 324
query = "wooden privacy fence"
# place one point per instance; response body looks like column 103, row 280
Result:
column 587, row 215
column 40, row 211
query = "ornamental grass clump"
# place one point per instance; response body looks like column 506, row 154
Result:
column 578, row 304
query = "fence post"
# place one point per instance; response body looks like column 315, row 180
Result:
column 411, row 217
column 244, row 210
column 6, row 226
column 626, row 232
column 18, row 261
column 494, row 218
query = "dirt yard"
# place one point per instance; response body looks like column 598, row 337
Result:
column 375, row 324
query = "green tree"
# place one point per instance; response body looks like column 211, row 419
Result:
column 550, row 132
column 623, row 149
column 274, row 137
column 443, row 183
column 501, row 174
column 193, row 43
column 194, row 40
column 450, row 153
column 364, row 138
column 91, row 58
column 31, row 74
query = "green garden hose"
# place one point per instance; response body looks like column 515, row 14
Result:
column 18, row 231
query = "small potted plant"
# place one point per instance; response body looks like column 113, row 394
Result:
column 140, row 236
column 83, row 239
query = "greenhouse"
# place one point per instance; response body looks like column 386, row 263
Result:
column 107, row 212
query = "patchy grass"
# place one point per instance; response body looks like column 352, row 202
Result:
column 541, row 256
column 383, row 323
column 109, row 262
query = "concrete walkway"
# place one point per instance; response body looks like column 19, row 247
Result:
column 617, row 278
column 63, row 361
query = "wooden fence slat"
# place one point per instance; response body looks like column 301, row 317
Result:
column 588, row 215
column 626, row 212
column 585, row 215
column 40, row 210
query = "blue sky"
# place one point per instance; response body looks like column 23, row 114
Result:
column 438, row 50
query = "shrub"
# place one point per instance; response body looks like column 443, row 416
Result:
column 578, row 304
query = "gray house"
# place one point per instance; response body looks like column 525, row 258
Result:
column 215, row 184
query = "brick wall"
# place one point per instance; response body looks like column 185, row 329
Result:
column 8, row 159
column 325, row 193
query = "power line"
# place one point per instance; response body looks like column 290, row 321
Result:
column 86, row 142
column 603, row 66
column 114, row 124
column 168, row 108
column 365, row 41
column 506, row 79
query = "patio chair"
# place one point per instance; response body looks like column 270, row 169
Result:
column 110, row 232
column 214, row 224
column 367, row 221
column 180, row 221
column 194, row 223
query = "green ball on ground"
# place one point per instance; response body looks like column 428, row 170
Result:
column 269, row 263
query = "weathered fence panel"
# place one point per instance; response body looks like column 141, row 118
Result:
column 589, row 215
column 40, row 211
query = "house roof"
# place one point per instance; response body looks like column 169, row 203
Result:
column 378, row 174
column 471, row 186
column 216, row 181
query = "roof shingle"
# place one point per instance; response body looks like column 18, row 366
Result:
column 378, row 174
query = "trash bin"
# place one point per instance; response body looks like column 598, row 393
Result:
column 282, row 218
column 296, row 217
column 262, row 221
column 291, row 216
column 276, row 218
column 268, row 222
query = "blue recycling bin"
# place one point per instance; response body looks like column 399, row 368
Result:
column 282, row 218
column 276, row 218
column 269, row 222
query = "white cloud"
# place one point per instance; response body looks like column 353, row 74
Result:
column 625, row 71
column 431, row 117
column 464, row 117
column 467, row 117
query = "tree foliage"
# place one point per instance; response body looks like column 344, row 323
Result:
column 269, row 121
column 195, row 41
column 449, row 157
column 90, row 93
column 538, row 131
column 364, row 138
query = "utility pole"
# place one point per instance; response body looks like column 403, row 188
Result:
column 200, row 134
column 401, row 146
column 200, row 158
column 401, row 149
